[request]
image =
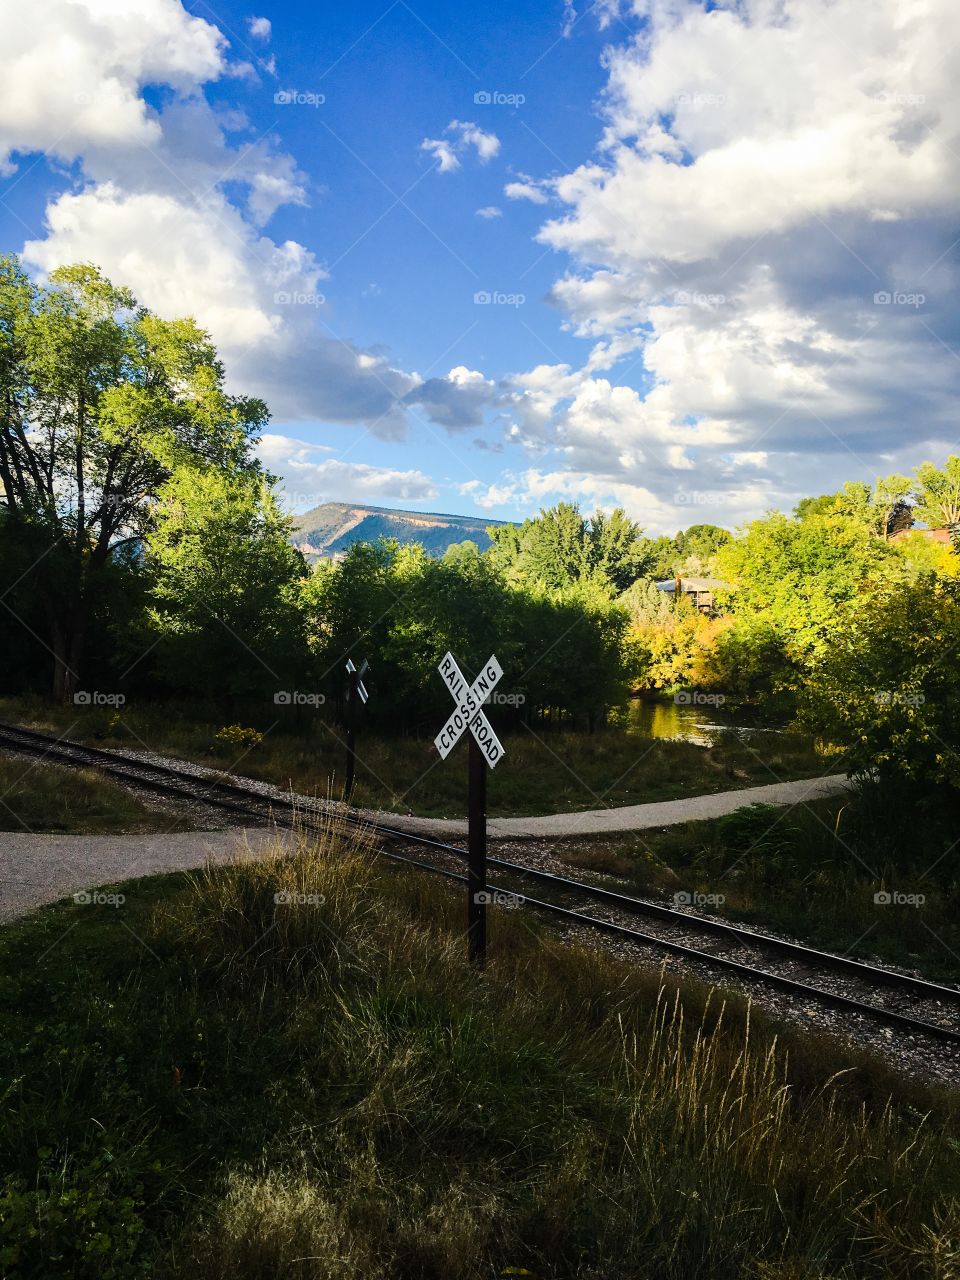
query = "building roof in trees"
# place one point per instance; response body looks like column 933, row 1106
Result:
column 693, row 584
column 935, row 535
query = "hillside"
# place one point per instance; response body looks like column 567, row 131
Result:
column 332, row 528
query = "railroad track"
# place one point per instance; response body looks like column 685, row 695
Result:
column 804, row 971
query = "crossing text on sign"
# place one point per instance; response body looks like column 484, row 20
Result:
column 469, row 713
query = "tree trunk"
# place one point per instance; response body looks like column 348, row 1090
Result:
column 69, row 640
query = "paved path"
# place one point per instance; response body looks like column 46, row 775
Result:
column 36, row 869
column 633, row 817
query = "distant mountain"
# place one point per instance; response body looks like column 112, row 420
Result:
column 329, row 530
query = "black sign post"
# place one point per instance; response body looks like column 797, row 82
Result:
column 477, row 856
column 485, row 750
column 356, row 693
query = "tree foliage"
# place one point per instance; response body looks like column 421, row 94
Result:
column 889, row 689
column 100, row 402
column 560, row 546
column 563, row 649
column 224, row 601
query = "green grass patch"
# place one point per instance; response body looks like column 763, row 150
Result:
column 209, row 1082
column 544, row 771
column 39, row 797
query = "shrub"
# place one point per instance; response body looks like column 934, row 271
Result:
column 235, row 735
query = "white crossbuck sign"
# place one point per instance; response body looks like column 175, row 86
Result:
column 469, row 713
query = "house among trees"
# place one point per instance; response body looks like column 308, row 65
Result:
column 942, row 536
column 699, row 589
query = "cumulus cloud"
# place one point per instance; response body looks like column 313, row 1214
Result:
column 525, row 189
column 490, row 211
column 307, row 481
column 463, row 134
column 761, row 252
column 457, row 401
column 259, row 28
column 152, row 206
column 73, row 72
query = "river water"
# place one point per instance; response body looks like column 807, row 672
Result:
column 703, row 725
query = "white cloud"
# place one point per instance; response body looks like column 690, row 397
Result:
column 308, row 482
column 73, row 72
column 767, row 167
column 525, row 190
column 178, row 256
column 490, row 211
column 151, row 207
column 464, row 134
column 444, row 152
column 457, row 401
column 259, row 28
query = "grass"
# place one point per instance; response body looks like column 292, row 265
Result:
column 38, row 798
column 543, row 772
column 811, row 871
column 209, row 1083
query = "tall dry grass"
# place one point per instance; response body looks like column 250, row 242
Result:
column 563, row 1115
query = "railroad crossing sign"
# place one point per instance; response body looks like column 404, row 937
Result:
column 469, row 713
column 485, row 750
column 356, row 692
column 361, row 687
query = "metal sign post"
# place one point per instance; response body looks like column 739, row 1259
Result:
column 477, row 856
column 356, row 693
column 485, row 751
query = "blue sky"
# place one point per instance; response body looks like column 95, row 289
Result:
column 717, row 239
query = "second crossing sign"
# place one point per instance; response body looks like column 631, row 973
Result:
column 485, row 751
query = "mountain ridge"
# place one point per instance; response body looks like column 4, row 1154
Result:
column 328, row 531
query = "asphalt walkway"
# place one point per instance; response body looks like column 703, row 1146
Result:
column 632, row 817
column 37, row 869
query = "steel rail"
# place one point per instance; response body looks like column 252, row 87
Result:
column 131, row 770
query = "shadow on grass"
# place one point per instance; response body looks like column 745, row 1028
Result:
column 285, row 1067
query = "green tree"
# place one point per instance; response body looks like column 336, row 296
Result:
column 883, row 509
column 559, row 547
column 805, row 578
column 889, row 690
column 647, row 604
column 563, row 649
column 937, row 493
column 100, row 402
column 702, row 541
column 225, row 599
column 617, row 549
